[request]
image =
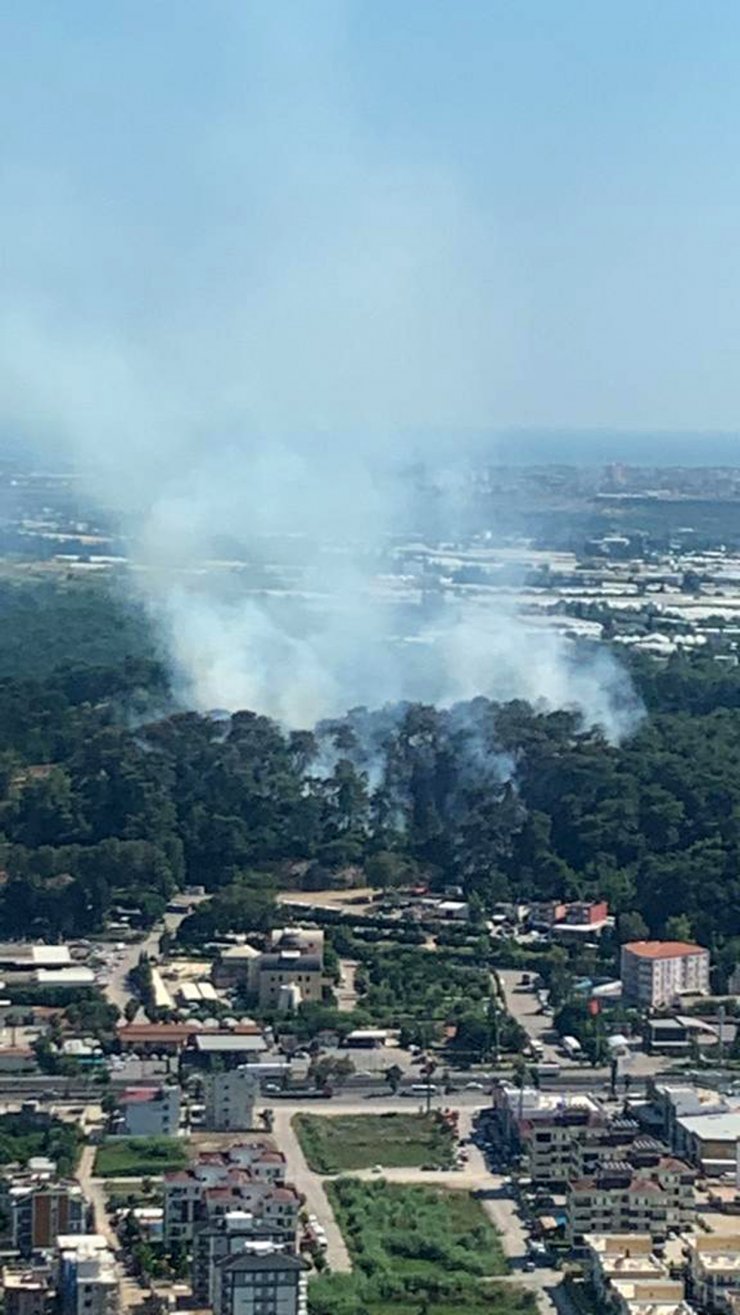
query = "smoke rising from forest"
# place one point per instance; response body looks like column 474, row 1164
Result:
column 234, row 361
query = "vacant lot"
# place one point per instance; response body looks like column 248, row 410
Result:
column 343, row 1294
column 350, row 1142
column 139, row 1157
column 415, row 1231
column 415, row 1248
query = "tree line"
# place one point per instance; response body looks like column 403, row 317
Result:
column 106, row 805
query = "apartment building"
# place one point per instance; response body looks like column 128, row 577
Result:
column 88, row 1283
column 228, row 1235
column 217, row 1184
column 259, row 1156
column 656, row 973
column 661, row 1297
column 40, row 1209
column 624, row 1198
column 628, row 1278
column 260, row 1281
column 514, row 1107
column 149, row 1112
column 230, row 1099
column 714, row 1269
column 676, row 1100
column 28, row 1291
column 709, row 1141
column 561, row 1136
column 573, row 1143
column 611, row 1256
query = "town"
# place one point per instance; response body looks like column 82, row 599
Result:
column 198, row 1126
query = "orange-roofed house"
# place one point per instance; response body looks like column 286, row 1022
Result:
column 656, row 973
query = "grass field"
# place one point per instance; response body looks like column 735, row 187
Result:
column 345, row 1143
column 415, row 1231
column 344, row 1294
column 414, row 1249
column 139, row 1157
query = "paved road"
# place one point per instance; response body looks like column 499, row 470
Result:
column 523, row 1005
column 116, row 987
column 131, row 1294
column 310, row 1185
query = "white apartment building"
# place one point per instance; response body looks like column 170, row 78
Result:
column 88, row 1283
column 618, row 1256
column 656, row 973
column 230, row 1100
column 714, row 1269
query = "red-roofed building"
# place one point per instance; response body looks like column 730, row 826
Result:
column 219, row 1184
column 657, row 973
column 151, row 1038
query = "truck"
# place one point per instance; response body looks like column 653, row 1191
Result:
column 572, row 1047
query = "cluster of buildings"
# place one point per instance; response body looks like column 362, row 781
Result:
column 54, row 1261
column 240, row 1219
column 289, row 971
column 155, row 1110
column 622, row 1185
column 700, row 1123
column 232, row 1211
column 565, row 921
column 630, row 1277
column 613, row 1174
column 25, row 964
column 569, row 921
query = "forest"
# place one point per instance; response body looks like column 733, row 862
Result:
column 110, row 799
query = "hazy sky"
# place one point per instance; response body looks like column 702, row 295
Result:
column 379, row 212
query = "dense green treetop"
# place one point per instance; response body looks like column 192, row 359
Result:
column 108, row 799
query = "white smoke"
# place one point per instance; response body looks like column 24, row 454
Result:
column 233, row 356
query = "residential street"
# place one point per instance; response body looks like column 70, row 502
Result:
column 310, row 1184
column 94, row 1189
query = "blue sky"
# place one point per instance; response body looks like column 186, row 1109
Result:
column 381, row 213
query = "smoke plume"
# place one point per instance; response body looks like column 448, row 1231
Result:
column 230, row 315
